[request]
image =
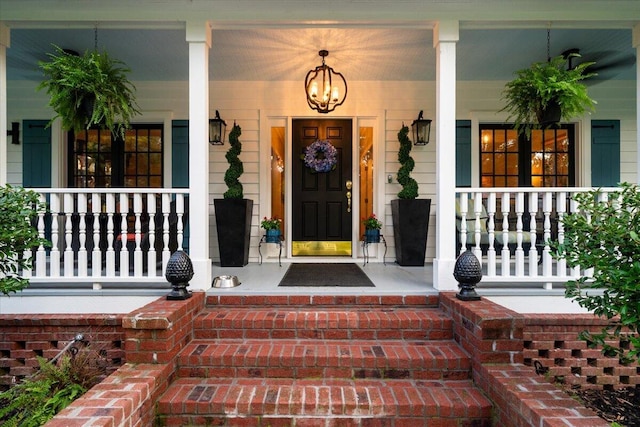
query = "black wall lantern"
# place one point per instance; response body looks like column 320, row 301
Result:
column 217, row 129
column 14, row 133
column 421, row 129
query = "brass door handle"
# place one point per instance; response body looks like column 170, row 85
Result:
column 348, row 201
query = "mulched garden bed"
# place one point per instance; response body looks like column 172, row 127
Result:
column 621, row 406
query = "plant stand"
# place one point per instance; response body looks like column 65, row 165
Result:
column 279, row 243
column 365, row 248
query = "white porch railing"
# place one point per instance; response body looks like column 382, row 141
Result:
column 108, row 235
column 509, row 229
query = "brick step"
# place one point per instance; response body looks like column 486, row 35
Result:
column 397, row 359
column 299, row 301
column 344, row 323
column 322, row 402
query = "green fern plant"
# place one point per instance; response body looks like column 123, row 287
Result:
column 409, row 185
column 93, row 79
column 236, row 169
column 534, row 88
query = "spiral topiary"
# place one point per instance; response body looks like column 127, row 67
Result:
column 232, row 175
column 409, row 185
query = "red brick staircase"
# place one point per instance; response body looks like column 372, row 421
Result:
column 324, row 361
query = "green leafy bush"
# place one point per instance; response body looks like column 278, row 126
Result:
column 409, row 185
column 18, row 209
column 52, row 388
column 232, row 175
column 605, row 236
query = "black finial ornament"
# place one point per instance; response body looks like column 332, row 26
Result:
column 179, row 271
column 468, row 273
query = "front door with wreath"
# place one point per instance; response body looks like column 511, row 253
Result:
column 322, row 195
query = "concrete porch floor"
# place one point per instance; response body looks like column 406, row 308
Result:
column 389, row 279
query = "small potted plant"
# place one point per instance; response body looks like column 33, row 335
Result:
column 272, row 227
column 372, row 226
column 546, row 93
column 89, row 90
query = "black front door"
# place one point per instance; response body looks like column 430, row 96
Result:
column 322, row 212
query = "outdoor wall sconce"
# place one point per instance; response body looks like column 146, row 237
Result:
column 14, row 133
column 217, row 129
column 421, row 129
column 325, row 88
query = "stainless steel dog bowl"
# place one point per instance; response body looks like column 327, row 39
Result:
column 225, row 282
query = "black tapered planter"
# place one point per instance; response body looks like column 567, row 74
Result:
column 410, row 230
column 233, row 221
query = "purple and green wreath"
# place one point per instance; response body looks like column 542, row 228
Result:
column 321, row 156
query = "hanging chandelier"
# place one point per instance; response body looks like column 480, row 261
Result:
column 326, row 88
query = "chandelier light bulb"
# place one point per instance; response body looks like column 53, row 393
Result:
column 335, row 95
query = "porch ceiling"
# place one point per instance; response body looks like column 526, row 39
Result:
column 361, row 54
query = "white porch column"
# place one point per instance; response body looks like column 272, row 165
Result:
column 635, row 40
column 199, row 39
column 445, row 36
column 4, row 44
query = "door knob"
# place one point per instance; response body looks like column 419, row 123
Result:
column 348, row 184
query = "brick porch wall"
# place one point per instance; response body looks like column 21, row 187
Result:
column 23, row 337
column 552, row 340
column 154, row 335
column 494, row 336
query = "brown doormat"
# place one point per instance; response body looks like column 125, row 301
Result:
column 343, row 275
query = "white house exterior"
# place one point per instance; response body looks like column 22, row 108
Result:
column 379, row 104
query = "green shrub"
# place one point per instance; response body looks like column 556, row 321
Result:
column 52, row 388
column 409, row 185
column 18, row 210
column 605, row 237
column 232, row 175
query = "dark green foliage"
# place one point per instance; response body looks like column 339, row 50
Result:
column 72, row 81
column 232, row 175
column 18, row 210
column 409, row 185
column 39, row 398
column 542, row 82
column 605, row 236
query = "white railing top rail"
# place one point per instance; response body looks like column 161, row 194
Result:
column 112, row 190
column 488, row 190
